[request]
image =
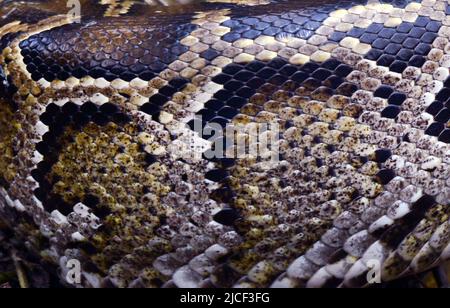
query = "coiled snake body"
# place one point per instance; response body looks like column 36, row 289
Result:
column 100, row 161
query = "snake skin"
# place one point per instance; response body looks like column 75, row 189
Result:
column 99, row 160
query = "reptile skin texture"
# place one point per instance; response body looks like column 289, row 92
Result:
column 101, row 161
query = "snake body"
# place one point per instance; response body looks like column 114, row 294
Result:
column 100, row 160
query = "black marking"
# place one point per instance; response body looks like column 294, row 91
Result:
column 440, row 110
column 227, row 217
column 391, row 111
column 218, row 175
column 445, row 136
column 443, row 116
column 382, row 155
column 385, row 176
column 435, row 107
column 435, row 129
column 384, row 91
column 396, row 98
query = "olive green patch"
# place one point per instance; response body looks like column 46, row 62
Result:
column 9, row 128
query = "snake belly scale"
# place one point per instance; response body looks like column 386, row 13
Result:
column 100, row 160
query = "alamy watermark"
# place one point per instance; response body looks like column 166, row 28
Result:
column 75, row 10
column 374, row 273
column 73, row 272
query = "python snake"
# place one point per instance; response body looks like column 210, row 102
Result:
column 100, row 161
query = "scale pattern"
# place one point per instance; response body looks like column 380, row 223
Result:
column 101, row 159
